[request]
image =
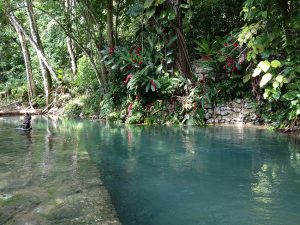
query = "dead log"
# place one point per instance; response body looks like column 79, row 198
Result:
column 20, row 112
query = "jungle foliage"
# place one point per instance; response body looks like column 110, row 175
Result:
column 135, row 61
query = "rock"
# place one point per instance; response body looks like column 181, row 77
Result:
column 237, row 109
column 210, row 121
column 19, row 204
column 224, row 113
column 65, row 212
column 236, row 105
column 248, row 111
column 207, row 116
column 217, row 110
column 253, row 116
column 226, row 118
column 248, row 105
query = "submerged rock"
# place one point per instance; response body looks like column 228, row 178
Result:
column 19, row 204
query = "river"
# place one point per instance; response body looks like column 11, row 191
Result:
column 83, row 172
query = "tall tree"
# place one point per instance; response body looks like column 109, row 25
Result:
column 47, row 81
column 70, row 10
column 110, row 24
column 27, row 60
column 182, row 59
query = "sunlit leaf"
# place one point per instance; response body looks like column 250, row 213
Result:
column 275, row 64
column 279, row 78
column 264, row 65
column 265, row 79
column 256, row 72
column 275, row 84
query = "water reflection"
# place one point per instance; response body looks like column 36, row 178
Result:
column 155, row 175
column 199, row 175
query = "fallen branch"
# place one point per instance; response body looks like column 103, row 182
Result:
column 48, row 106
column 19, row 112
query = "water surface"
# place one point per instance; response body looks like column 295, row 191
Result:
column 47, row 177
column 81, row 172
column 214, row 175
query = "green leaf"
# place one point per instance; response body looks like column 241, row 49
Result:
column 152, row 88
column 163, row 14
column 157, row 84
column 158, row 2
column 169, row 60
column 279, row 78
column 275, row 84
column 159, row 68
column 276, row 95
column 256, row 72
column 267, row 93
column 265, row 79
column 171, row 16
column 109, row 62
column 264, row 65
column 147, row 87
column 114, row 66
column 275, row 64
column 150, row 13
column 148, row 3
column 290, row 95
column 185, row 6
column 246, row 78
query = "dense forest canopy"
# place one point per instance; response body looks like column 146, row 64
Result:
column 136, row 60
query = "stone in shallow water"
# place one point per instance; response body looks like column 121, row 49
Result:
column 5, row 196
column 19, row 204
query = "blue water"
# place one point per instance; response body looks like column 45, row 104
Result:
column 215, row 175
column 154, row 175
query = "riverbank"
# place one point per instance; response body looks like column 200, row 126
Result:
column 234, row 113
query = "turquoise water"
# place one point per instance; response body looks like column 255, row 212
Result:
column 215, row 175
column 154, row 175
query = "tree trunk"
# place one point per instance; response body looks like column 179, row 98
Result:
column 182, row 58
column 110, row 24
column 47, row 81
column 27, row 61
column 117, row 21
column 70, row 8
column 104, row 72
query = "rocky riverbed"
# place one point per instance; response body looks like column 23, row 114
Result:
column 48, row 179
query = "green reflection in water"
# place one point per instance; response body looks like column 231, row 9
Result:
column 217, row 175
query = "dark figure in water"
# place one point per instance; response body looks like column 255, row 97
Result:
column 27, row 121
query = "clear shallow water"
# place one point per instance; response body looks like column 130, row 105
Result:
column 154, row 175
column 47, row 177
